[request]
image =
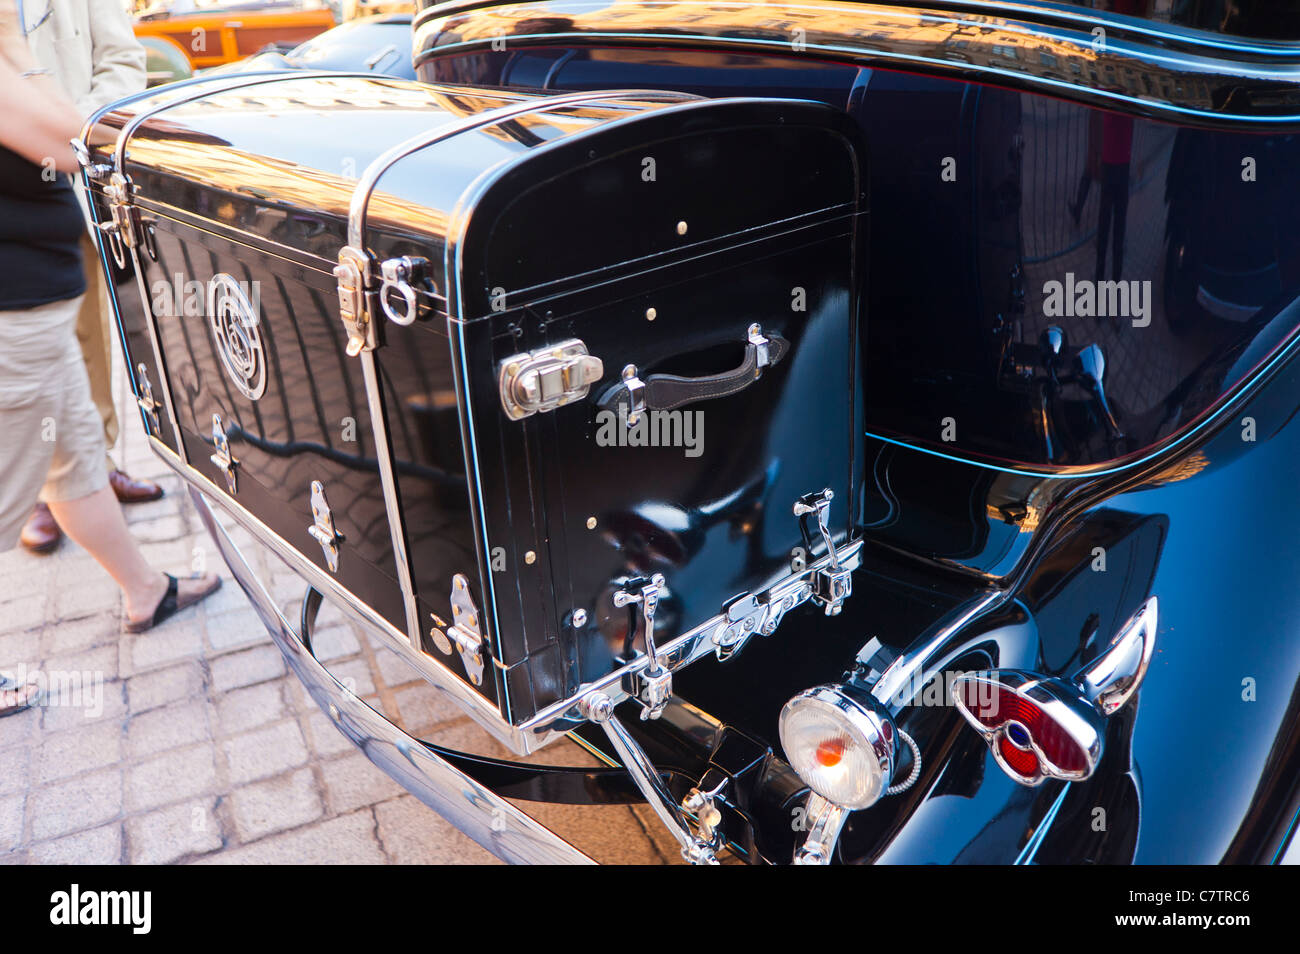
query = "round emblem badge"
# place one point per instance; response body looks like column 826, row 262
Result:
column 235, row 331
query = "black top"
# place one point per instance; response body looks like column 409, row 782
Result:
column 40, row 233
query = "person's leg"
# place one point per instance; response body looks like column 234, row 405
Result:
column 82, row 500
column 93, row 331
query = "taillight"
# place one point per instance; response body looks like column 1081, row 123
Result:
column 1037, row 728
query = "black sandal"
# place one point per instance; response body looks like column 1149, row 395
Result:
column 171, row 604
column 26, row 697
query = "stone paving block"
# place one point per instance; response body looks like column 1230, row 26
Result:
column 99, row 846
column 16, row 764
column 163, row 836
column 246, row 668
column 337, row 642
column 73, row 636
column 23, row 613
column 159, row 687
column 86, row 801
column 413, row 834
column 20, row 648
column 170, row 727
column 326, row 739
column 276, row 804
column 264, row 752
column 236, row 629
column 346, row 840
column 64, row 754
column 74, row 708
column 422, row 707
column 353, row 782
column 92, row 595
column 175, row 640
column 170, row 777
column 250, row 707
column 11, row 822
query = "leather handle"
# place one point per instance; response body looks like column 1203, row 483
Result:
column 664, row 392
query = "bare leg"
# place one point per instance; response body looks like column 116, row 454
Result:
column 97, row 524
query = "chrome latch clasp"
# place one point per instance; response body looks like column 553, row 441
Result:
column 222, row 459
column 538, row 381
column 464, row 630
column 352, row 274
column 760, row 344
column 653, row 686
column 832, row 584
column 322, row 528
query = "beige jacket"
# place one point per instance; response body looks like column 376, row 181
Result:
column 89, row 46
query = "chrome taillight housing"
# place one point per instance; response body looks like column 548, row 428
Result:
column 1039, row 727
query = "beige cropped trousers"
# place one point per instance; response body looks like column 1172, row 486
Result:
column 51, row 435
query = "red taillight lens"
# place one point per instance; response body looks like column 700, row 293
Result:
column 995, row 705
column 1026, row 763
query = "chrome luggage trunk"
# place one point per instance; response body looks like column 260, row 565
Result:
column 547, row 389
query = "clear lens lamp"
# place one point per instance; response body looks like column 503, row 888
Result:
column 841, row 744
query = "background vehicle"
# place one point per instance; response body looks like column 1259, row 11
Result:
column 376, row 44
column 210, row 36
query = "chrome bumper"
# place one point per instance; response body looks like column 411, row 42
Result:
column 479, row 812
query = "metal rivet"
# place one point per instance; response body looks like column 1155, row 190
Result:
column 512, row 367
column 651, row 314
column 530, row 557
column 591, row 523
column 681, row 227
column 579, row 618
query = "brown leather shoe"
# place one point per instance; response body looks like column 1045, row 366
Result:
column 41, row 534
column 133, row 491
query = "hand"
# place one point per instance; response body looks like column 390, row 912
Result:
column 13, row 45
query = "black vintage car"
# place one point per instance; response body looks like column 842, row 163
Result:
column 869, row 429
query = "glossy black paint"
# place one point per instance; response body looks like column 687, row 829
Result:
column 1186, row 505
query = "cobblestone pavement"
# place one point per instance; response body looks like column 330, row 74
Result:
column 192, row 743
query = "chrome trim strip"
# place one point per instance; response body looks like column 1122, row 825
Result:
column 369, row 179
column 1178, row 75
column 930, row 653
column 474, row 809
column 243, row 82
column 392, row 504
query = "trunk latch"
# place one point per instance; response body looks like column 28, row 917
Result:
column 831, row 584
column 550, row 377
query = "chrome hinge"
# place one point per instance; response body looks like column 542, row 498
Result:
column 832, row 584
column 146, row 400
column 402, row 276
column 353, row 274
column 222, row 459
column 550, row 377
column 464, row 630
column 322, row 528
column 95, row 170
column 653, row 685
